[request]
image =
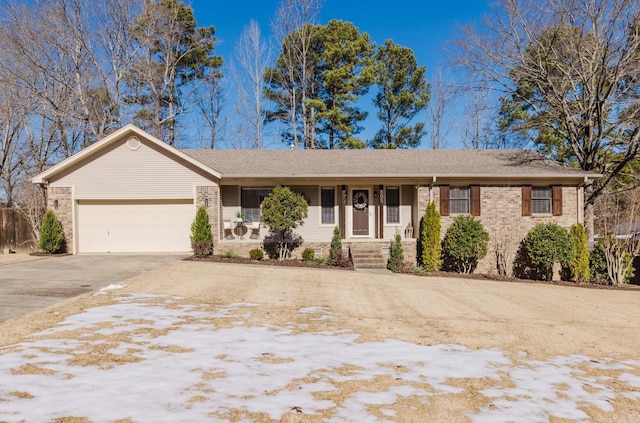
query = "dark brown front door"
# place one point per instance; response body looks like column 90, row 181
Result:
column 360, row 202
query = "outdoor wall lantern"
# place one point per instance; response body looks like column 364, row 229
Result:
column 55, row 204
column 206, row 202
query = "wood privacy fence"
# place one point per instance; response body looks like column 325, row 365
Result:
column 15, row 233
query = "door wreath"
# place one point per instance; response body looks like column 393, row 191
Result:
column 360, row 200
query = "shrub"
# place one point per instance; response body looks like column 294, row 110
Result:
column 430, row 245
column 308, row 254
column 465, row 242
column 51, row 234
column 282, row 211
column 340, row 259
column 256, row 254
column 395, row 262
column 546, row 244
column 336, row 256
column 201, row 236
column 579, row 264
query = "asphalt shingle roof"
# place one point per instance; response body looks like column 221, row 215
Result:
column 377, row 163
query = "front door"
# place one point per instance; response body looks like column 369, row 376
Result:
column 360, row 202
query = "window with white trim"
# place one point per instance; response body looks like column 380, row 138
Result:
column 393, row 204
column 458, row 200
column 541, row 200
column 327, row 200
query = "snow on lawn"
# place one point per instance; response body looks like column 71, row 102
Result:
column 149, row 358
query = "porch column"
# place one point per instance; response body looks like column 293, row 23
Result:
column 343, row 210
column 381, row 211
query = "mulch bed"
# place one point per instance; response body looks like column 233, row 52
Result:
column 267, row 262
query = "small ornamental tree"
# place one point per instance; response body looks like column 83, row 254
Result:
column 546, row 244
column 396, row 255
column 430, row 244
column 201, row 236
column 465, row 242
column 51, row 234
column 579, row 265
column 282, row 211
column 336, row 254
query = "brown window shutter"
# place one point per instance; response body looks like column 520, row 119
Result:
column 526, row 200
column 474, row 193
column 556, row 200
column 444, row 200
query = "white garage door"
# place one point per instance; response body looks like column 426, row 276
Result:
column 127, row 227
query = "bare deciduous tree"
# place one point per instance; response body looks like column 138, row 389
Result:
column 292, row 28
column 439, row 111
column 566, row 71
column 252, row 56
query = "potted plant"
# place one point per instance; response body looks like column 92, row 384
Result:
column 239, row 217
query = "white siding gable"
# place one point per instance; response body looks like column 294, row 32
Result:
column 120, row 172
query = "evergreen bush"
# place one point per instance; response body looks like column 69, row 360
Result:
column 308, row 254
column 395, row 262
column 431, row 247
column 336, row 256
column 546, row 244
column 256, row 254
column 579, row 265
column 51, row 234
column 201, row 236
column 465, row 242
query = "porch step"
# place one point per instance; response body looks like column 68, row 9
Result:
column 368, row 257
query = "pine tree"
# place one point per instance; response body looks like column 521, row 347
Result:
column 51, row 234
column 201, row 236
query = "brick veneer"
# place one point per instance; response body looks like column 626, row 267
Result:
column 210, row 195
column 501, row 215
column 64, row 211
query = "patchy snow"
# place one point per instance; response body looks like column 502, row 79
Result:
column 112, row 287
column 149, row 357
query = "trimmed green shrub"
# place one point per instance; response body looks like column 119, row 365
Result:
column 282, row 211
column 465, row 242
column 579, row 265
column 308, row 254
column 546, row 244
column 430, row 244
column 336, row 255
column 256, row 254
column 395, row 262
column 51, row 234
column 201, row 236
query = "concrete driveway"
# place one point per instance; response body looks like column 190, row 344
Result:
column 30, row 285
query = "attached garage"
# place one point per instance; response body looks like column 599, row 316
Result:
column 134, row 226
column 130, row 193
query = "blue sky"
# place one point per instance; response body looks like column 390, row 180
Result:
column 422, row 25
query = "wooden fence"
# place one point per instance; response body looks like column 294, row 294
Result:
column 15, row 233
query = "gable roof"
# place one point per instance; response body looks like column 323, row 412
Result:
column 383, row 163
column 130, row 130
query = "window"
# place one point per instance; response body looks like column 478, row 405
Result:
column 541, row 200
column 459, row 200
column 327, row 200
column 250, row 200
column 393, row 205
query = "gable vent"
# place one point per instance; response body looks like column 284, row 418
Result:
column 133, row 143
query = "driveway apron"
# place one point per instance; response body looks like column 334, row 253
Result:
column 28, row 286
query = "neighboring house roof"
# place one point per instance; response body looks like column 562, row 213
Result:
column 383, row 163
column 127, row 130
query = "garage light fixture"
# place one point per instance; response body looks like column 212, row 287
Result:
column 206, row 202
column 55, row 204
